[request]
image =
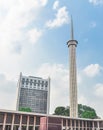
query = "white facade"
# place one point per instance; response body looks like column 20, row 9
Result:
column 33, row 93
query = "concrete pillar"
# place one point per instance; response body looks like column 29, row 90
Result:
column 34, row 123
column 93, row 125
column 4, row 123
column 20, row 125
column 98, row 125
column 47, row 122
column 61, row 124
column 27, row 128
column 82, row 125
column 75, row 124
column 48, row 96
column 12, row 125
column 78, row 124
column 86, row 125
column 71, row 124
column 66, row 124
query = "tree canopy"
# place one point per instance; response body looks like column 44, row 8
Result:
column 25, row 109
column 62, row 111
column 86, row 112
column 83, row 111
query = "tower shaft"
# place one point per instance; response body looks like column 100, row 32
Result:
column 72, row 44
column 73, row 81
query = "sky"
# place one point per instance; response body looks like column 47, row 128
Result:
column 33, row 40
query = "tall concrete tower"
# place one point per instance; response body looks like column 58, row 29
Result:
column 72, row 44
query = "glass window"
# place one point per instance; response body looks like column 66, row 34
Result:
column 22, row 82
column 46, row 84
column 38, row 82
column 26, row 83
column 23, row 79
column 35, row 81
column 27, row 80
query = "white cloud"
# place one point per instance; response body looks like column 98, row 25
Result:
column 96, row 2
column 59, row 83
column 82, row 100
column 15, row 16
column 7, row 93
column 56, row 5
column 34, row 35
column 99, row 90
column 92, row 70
column 16, row 19
column 44, row 2
column 61, row 18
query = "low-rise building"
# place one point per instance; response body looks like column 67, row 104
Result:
column 16, row 120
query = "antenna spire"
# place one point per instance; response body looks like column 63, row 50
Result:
column 72, row 31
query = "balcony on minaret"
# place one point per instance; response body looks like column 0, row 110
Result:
column 72, row 42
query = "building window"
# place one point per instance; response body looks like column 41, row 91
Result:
column 23, row 79
column 31, row 80
column 22, row 82
column 34, row 81
column 27, row 80
column 38, row 82
column 42, row 83
column 26, row 83
column 46, row 84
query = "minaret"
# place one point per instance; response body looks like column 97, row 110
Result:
column 72, row 44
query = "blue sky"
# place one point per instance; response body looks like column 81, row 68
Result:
column 33, row 37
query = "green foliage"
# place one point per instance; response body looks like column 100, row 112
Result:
column 62, row 111
column 89, row 114
column 67, row 111
column 25, row 109
column 86, row 112
column 83, row 111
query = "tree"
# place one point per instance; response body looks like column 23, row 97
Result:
column 25, row 109
column 89, row 114
column 83, row 111
column 67, row 111
column 60, row 111
column 86, row 112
